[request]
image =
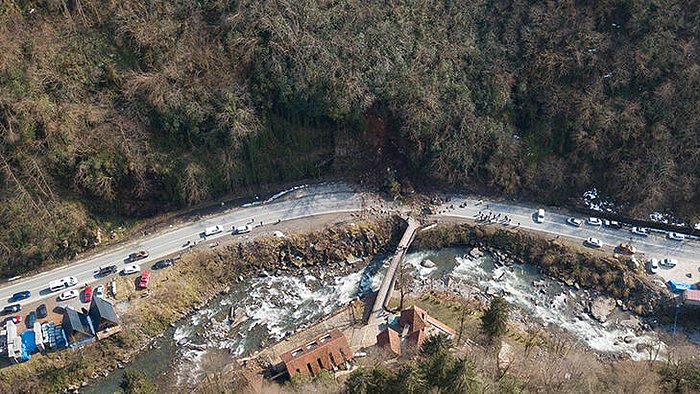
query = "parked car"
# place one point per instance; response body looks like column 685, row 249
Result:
column 539, row 216
column 87, row 294
column 641, row 231
column 141, row 254
column 14, row 319
column 67, row 295
column 668, row 263
column 676, row 236
column 145, row 277
column 41, row 311
column 11, row 309
column 594, row 222
column 163, row 264
column 106, row 270
column 653, row 266
column 242, row 229
column 574, row 222
column 31, row 319
column 593, row 242
column 131, row 269
column 611, row 223
column 100, row 291
column 213, row 230
column 22, row 295
column 627, row 248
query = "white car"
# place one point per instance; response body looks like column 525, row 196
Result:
column 574, row 222
column 669, row 263
column 131, row 269
column 539, row 216
column 242, row 229
column 594, row 222
column 641, row 231
column 67, row 295
column 676, row 236
column 653, row 266
column 593, row 242
column 611, row 223
column 213, row 230
column 100, row 291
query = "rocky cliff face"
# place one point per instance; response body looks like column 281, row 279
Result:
column 332, row 247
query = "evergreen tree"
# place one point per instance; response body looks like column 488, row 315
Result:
column 463, row 378
column 495, row 319
column 411, row 380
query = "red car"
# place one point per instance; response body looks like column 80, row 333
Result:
column 144, row 280
column 14, row 319
column 87, row 294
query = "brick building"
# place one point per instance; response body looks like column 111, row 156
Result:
column 414, row 326
column 328, row 351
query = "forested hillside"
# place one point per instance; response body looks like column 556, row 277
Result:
column 113, row 109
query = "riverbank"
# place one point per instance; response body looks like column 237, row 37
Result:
column 188, row 285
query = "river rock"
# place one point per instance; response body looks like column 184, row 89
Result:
column 505, row 354
column 427, row 263
column 476, row 253
column 601, row 308
column 633, row 323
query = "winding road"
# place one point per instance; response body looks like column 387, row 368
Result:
column 333, row 198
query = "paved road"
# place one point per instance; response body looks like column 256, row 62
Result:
column 687, row 252
column 314, row 200
column 337, row 198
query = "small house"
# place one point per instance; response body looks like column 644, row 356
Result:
column 103, row 317
column 77, row 327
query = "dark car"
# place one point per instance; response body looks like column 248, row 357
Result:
column 31, row 319
column 163, row 264
column 106, row 270
column 41, row 311
column 11, row 309
column 22, row 295
column 141, row 254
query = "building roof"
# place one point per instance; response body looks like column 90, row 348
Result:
column 73, row 321
column 414, row 317
column 101, row 309
column 389, row 339
column 691, row 295
column 315, row 345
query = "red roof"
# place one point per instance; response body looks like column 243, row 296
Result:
column 691, row 295
column 414, row 316
column 389, row 339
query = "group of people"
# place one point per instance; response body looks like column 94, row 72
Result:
column 492, row 217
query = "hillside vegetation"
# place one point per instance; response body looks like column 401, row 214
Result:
column 113, row 109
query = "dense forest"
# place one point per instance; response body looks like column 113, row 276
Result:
column 119, row 109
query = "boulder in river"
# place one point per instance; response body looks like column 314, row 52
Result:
column 427, row 263
column 476, row 253
column 601, row 308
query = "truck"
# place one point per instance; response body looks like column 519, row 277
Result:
column 63, row 283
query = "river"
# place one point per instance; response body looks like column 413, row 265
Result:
column 270, row 307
